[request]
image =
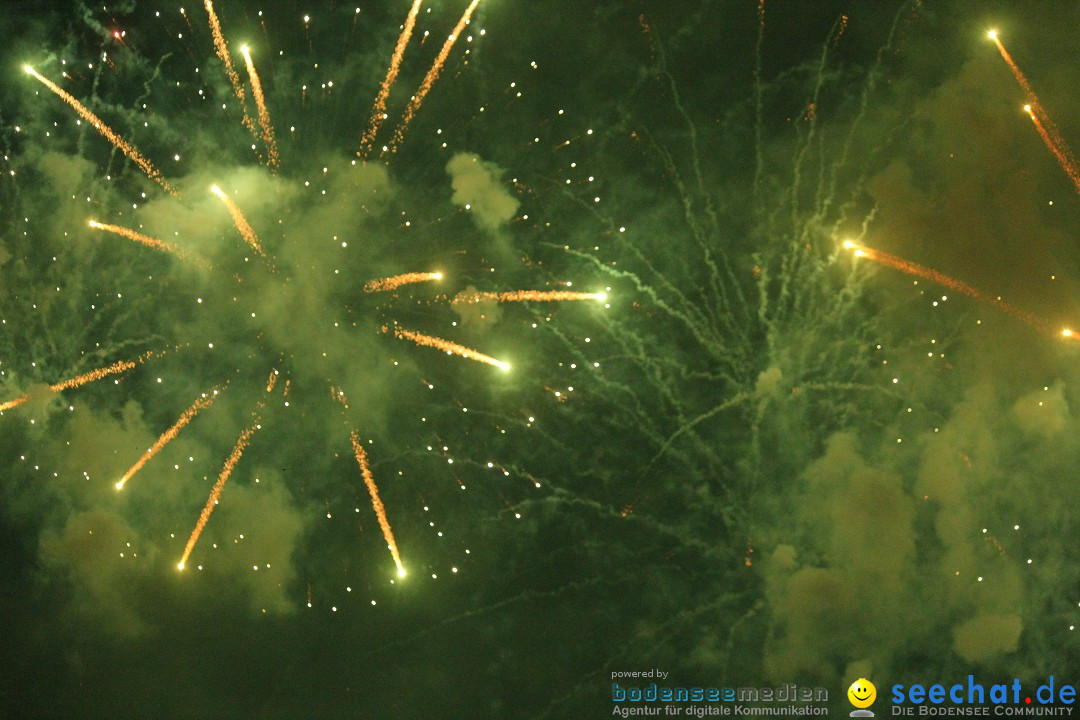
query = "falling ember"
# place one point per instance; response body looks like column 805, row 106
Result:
column 932, row 275
column 378, row 112
column 376, row 503
column 239, row 220
column 431, row 77
column 271, row 381
column 223, row 53
column 1057, row 148
column 79, row 380
column 264, row 115
column 201, row 403
column 139, row 238
column 446, row 346
column 107, row 132
column 527, row 296
column 393, row 283
column 215, row 493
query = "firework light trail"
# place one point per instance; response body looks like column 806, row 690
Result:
column 107, row 132
column 202, row 402
column 905, row 266
column 240, row 221
column 527, row 296
column 223, row 53
column 431, row 77
column 393, row 283
column 378, row 112
column 1059, row 150
column 446, row 346
column 88, row 377
column 376, row 503
column 272, row 158
column 139, row 238
column 215, row 493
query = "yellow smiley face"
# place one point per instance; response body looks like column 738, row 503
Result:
column 862, row 693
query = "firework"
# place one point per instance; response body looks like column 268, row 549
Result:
column 376, row 503
column 202, row 402
column 378, row 112
column 431, row 77
column 242, row 225
column 88, row 377
column 139, row 238
column 393, row 283
column 527, row 296
column 107, row 132
column 223, row 53
column 215, row 493
column 264, row 115
column 450, row 348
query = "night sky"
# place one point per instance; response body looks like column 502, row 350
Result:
column 753, row 455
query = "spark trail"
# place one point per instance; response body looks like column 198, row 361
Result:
column 139, row 238
column 223, row 53
column 215, row 493
column 376, row 503
column 88, row 377
column 108, row 133
column 527, row 296
column 378, row 112
column 240, row 221
column 1059, row 150
column 272, row 158
column 202, row 402
column 432, row 75
column 393, row 283
column 905, row 266
column 451, row 348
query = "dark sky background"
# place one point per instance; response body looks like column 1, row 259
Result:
column 763, row 461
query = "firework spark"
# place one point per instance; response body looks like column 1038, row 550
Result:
column 223, row 53
column 240, row 221
column 108, row 133
column 202, row 402
column 139, row 238
column 527, row 296
column 378, row 112
column 376, row 503
column 272, row 158
column 432, row 75
column 88, row 377
column 393, row 283
column 450, row 348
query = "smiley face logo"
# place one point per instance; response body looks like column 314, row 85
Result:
column 862, row 693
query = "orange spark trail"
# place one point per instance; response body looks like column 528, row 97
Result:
column 223, row 53
column 1059, row 150
column 526, row 296
column 376, row 503
column 122, row 145
column 431, row 77
column 215, row 493
column 378, row 112
column 139, row 238
column 202, row 402
column 264, row 115
column 932, row 275
column 239, row 220
column 446, row 346
column 393, row 283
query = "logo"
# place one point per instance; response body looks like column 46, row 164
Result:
column 862, row 694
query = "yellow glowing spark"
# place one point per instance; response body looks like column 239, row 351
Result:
column 376, row 503
column 106, row 132
column 992, row 34
column 264, row 114
column 848, row 244
column 447, row 346
column 215, row 493
column 431, row 77
column 378, row 112
column 201, row 403
column 393, row 283
column 527, row 296
column 1067, row 333
column 223, row 53
column 239, row 220
column 139, row 238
